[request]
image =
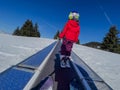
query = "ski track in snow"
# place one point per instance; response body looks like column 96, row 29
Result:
column 7, row 54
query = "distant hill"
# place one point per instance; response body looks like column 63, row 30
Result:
column 93, row 44
column 2, row 32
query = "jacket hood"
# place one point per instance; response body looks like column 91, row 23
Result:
column 73, row 23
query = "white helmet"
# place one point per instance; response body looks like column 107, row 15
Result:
column 74, row 15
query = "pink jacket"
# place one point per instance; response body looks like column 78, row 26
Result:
column 71, row 31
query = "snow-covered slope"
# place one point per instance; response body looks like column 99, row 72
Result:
column 105, row 64
column 14, row 49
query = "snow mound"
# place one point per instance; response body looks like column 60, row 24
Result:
column 14, row 49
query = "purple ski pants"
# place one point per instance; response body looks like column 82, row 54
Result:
column 66, row 47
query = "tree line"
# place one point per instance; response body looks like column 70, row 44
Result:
column 28, row 29
column 111, row 41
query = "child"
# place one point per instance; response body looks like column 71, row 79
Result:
column 69, row 35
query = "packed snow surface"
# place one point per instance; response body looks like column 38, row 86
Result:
column 105, row 64
column 14, row 49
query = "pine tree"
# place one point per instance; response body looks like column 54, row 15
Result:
column 28, row 29
column 119, row 43
column 16, row 32
column 36, row 31
column 119, row 38
column 78, row 42
column 57, row 35
column 111, row 40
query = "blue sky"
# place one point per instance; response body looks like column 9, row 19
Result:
column 96, row 16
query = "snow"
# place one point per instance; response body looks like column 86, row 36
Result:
column 105, row 64
column 14, row 49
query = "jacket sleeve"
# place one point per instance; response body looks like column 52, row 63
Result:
column 62, row 34
column 77, row 35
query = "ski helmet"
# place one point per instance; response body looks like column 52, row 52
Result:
column 74, row 15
